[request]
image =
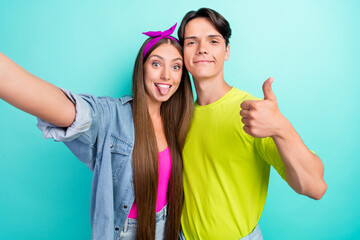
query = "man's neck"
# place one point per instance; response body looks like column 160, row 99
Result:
column 210, row 90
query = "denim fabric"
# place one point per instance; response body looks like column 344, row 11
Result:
column 254, row 235
column 102, row 136
column 129, row 230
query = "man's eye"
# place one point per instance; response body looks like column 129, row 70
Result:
column 214, row 41
column 191, row 43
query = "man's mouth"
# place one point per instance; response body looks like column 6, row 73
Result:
column 203, row 61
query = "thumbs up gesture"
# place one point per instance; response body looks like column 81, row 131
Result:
column 262, row 118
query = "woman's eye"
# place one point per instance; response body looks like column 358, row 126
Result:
column 156, row 64
column 177, row 67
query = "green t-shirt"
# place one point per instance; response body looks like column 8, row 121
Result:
column 226, row 172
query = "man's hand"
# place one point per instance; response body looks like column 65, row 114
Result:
column 262, row 118
column 304, row 170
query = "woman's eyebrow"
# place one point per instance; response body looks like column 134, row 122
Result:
column 176, row 59
column 156, row 56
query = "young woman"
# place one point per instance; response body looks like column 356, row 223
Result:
column 133, row 144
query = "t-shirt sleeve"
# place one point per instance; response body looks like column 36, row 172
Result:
column 268, row 151
column 82, row 135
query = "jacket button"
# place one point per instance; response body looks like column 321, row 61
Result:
column 117, row 228
column 111, row 146
column 125, row 206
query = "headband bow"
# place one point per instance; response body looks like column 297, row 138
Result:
column 157, row 36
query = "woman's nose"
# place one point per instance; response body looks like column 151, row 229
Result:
column 165, row 74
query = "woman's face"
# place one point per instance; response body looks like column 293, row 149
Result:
column 162, row 72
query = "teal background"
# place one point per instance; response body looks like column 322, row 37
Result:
column 311, row 48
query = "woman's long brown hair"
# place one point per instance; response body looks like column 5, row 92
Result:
column 176, row 114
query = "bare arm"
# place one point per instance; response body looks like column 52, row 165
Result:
column 304, row 170
column 34, row 95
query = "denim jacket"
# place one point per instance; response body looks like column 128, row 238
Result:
column 102, row 137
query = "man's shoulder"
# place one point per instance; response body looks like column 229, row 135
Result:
column 240, row 95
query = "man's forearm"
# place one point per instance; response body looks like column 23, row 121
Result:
column 304, row 170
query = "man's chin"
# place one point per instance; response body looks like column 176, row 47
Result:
column 199, row 77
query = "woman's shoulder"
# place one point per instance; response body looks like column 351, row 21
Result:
column 122, row 101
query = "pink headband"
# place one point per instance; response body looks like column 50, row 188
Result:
column 157, row 36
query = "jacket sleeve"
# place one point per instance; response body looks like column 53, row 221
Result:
column 82, row 137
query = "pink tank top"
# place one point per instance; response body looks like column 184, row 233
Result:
column 164, row 175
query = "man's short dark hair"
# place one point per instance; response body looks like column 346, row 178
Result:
column 220, row 23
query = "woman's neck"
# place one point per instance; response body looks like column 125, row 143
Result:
column 155, row 115
column 153, row 108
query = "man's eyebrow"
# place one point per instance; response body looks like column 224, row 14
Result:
column 209, row 36
column 215, row 35
column 191, row 37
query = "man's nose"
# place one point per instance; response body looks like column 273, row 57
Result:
column 202, row 49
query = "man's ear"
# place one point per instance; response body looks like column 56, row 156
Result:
column 227, row 52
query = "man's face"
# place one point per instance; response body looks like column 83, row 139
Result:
column 204, row 49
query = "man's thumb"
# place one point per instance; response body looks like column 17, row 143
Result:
column 268, row 92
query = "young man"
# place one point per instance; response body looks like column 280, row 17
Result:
column 227, row 155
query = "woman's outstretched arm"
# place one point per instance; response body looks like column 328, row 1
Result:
column 34, row 95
